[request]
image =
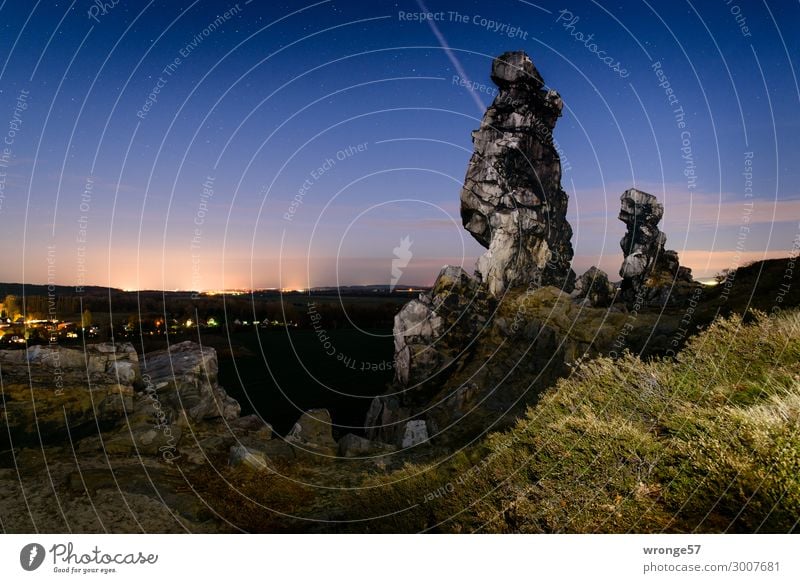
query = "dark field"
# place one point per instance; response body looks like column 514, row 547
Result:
column 280, row 374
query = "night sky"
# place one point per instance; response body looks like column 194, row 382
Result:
column 160, row 145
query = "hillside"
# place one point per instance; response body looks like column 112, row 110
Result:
column 707, row 442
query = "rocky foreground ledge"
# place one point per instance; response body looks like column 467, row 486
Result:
column 101, row 439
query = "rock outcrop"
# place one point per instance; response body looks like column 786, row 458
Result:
column 431, row 334
column 474, row 352
column 126, row 424
column 141, row 408
column 51, row 393
column 421, row 322
column 185, row 378
column 650, row 273
column 521, row 345
column 512, row 201
column 594, row 289
column 313, row 434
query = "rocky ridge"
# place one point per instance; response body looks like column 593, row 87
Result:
column 473, row 352
column 116, row 442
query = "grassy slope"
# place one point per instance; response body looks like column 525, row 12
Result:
column 709, row 442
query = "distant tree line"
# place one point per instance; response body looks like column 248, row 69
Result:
column 146, row 308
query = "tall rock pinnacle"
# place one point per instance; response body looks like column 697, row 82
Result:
column 650, row 273
column 512, row 201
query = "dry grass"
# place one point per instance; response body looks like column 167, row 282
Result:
column 708, row 442
column 249, row 500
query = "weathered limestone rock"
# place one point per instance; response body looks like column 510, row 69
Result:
column 148, row 429
column 314, row 432
column 430, row 334
column 416, row 432
column 512, row 201
column 650, row 274
column 185, row 378
column 594, row 288
column 98, row 359
column 243, row 456
column 421, row 322
column 416, row 324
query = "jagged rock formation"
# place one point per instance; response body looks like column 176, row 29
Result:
column 187, row 375
column 650, row 274
column 430, row 334
column 179, row 392
column 421, row 322
column 493, row 358
column 512, row 201
column 313, row 433
column 473, row 353
column 594, row 289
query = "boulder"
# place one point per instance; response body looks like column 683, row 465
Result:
column 185, row 377
column 512, row 201
column 416, row 432
column 594, row 288
column 243, row 456
column 314, row 432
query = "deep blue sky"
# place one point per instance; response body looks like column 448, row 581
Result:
column 281, row 87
